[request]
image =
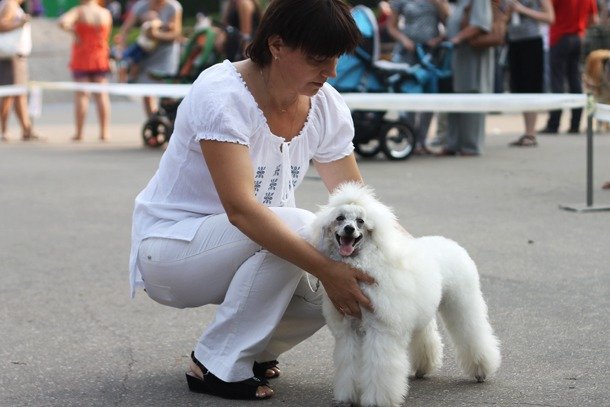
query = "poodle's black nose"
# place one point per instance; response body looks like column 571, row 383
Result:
column 349, row 229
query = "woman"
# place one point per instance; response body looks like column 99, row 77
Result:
column 165, row 57
column 422, row 19
column 91, row 25
column 14, row 71
column 217, row 224
column 526, row 56
column 473, row 70
column 243, row 15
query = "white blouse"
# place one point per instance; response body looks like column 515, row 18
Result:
column 220, row 107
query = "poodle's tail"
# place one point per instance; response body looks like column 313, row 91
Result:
column 464, row 311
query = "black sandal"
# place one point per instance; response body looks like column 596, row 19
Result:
column 210, row 384
column 527, row 140
column 260, row 369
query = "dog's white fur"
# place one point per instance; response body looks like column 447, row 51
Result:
column 415, row 278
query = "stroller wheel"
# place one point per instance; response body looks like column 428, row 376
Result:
column 397, row 140
column 156, row 131
column 369, row 149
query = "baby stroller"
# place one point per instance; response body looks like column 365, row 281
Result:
column 198, row 54
column 363, row 71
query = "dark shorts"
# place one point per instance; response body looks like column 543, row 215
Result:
column 89, row 75
column 14, row 71
column 526, row 64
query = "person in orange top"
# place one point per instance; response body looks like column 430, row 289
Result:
column 91, row 25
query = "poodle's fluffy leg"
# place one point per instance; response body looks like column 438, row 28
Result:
column 346, row 361
column 385, row 369
column 464, row 313
column 426, row 350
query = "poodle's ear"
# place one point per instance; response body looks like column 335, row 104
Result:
column 384, row 228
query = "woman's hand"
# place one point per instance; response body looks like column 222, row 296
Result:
column 341, row 283
column 407, row 43
column 434, row 42
column 119, row 39
column 516, row 7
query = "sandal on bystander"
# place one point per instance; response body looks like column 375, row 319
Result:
column 526, row 140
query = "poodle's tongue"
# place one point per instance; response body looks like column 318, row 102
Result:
column 346, row 248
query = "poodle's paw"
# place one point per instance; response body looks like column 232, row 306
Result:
column 485, row 365
column 428, row 362
column 345, row 394
column 426, row 351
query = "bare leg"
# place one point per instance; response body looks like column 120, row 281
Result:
column 5, row 108
column 530, row 123
column 103, row 109
column 150, row 105
column 21, row 109
column 81, row 105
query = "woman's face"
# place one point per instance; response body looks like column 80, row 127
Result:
column 305, row 73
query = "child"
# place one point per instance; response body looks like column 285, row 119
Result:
column 144, row 45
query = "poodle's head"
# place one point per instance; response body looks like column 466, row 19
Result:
column 352, row 222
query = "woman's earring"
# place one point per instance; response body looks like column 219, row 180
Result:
column 275, row 58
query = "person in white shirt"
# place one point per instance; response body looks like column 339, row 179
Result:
column 217, row 224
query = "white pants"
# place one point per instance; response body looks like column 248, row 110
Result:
column 266, row 305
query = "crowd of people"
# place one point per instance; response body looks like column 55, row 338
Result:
column 543, row 45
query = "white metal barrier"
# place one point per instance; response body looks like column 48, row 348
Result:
column 455, row 102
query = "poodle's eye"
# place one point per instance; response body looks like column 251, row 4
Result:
column 360, row 221
column 340, row 218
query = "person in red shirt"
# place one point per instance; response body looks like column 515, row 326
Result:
column 572, row 17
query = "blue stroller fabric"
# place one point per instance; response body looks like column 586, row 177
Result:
column 363, row 71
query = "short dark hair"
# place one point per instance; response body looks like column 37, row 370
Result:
column 320, row 28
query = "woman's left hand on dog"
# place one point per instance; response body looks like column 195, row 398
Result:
column 342, row 287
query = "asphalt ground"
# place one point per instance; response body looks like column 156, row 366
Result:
column 71, row 336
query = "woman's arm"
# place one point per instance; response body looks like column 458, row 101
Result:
column 172, row 31
column 466, row 33
column 231, row 171
column 67, row 20
column 395, row 32
column 337, row 172
column 245, row 10
column 130, row 21
column 443, row 9
column 7, row 18
column 545, row 15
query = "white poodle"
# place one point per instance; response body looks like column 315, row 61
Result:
column 415, row 278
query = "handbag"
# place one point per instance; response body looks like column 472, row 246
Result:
column 17, row 42
column 497, row 35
